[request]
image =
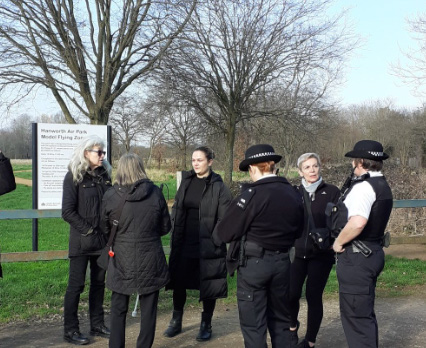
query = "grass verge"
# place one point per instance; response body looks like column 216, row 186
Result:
column 36, row 289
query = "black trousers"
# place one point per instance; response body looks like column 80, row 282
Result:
column 119, row 309
column 316, row 271
column 76, row 282
column 357, row 277
column 262, row 294
column 179, row 299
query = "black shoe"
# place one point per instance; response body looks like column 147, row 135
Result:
column 75, row 337
column 100, row 330
column 205, row 332
column 294, row 339
column 304, row 344
column 175, row 325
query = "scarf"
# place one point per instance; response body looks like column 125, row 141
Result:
column 311, row 188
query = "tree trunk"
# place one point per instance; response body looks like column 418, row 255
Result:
column 229, row 149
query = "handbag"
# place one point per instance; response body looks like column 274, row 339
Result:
column 107, row 252
column 7, row 179
column 320, row 236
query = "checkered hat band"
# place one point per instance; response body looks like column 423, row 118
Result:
column 375, row 153
column 263, row 154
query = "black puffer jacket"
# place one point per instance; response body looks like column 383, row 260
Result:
column 325, row 193
column 214, row 202
column 139, row 264
column 81, row 208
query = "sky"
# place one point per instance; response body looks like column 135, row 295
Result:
column 383, row 27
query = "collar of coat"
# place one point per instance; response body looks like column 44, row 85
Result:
column 212, row 177
column 272, row 179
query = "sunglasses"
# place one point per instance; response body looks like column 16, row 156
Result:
column 99, row 152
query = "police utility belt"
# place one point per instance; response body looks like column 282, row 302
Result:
column 366, row 248
column 251, row 249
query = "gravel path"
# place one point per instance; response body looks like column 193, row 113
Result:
column 401, row 324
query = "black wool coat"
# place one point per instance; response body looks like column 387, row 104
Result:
column 214, row 202
column 81, row 208
column 325, row 193
column 139, row 264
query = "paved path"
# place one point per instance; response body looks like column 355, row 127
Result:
column 23, row 181
column 402, row 323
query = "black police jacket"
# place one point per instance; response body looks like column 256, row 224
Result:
column 269, row 212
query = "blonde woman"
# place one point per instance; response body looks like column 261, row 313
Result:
column 84, row 185
column 139, row 264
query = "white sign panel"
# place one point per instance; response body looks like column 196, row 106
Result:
column 55, row 146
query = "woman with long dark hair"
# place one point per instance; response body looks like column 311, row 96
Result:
column 195, row 261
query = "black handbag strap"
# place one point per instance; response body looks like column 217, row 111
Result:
column 115, row 222
column 308, row 207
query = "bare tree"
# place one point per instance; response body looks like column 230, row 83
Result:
column 126, row 121
column 87, row 53
column 15, row 141
column 414, row 74
column 235, row 52
column 183, row 130
column 154, row 124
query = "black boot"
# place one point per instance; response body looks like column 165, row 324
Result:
column 293, row 336
column 175, row 325
column 205, row 332
column 304, row 344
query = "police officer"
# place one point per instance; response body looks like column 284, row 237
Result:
column 262, row 224
column 360, row 243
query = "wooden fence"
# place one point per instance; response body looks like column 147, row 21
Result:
column 63, row 254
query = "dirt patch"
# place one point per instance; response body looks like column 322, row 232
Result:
column 401, row 324
column 23, row 181
column 408, row 251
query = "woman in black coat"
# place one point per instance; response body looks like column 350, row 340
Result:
column 310, row 262
column 139, row 264
column 195, row 261
column 84, row 186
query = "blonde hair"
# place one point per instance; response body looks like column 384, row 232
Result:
column 265, row 167
column 79, row 164
column 130, row 168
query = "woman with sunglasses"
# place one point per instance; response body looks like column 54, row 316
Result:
column 88, row 177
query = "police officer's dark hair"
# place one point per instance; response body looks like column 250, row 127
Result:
column 369, row 164
column 265, row 167
column 207, row 151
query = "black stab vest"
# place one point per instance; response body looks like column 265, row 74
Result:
column 380, row 211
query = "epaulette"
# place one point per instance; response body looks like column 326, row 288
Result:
column 245, row 198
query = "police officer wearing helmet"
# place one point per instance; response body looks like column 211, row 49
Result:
column 359, row 245
column 262, row 224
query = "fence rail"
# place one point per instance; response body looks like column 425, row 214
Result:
column 63, row 254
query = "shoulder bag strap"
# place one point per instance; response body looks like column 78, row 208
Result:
column 308, row 207
column 115, row 222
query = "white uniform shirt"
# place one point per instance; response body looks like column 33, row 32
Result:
column 361, row 198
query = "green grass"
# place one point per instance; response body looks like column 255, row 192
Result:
column 25, row 175
column 36, row 289
column 18, row 167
